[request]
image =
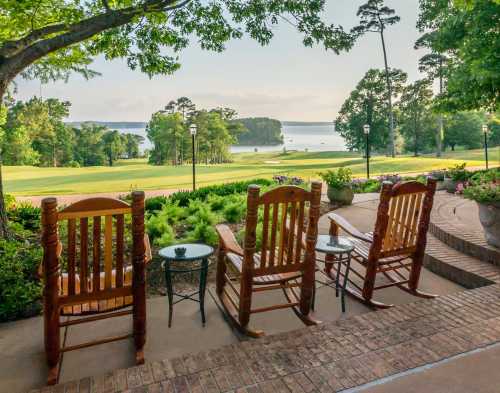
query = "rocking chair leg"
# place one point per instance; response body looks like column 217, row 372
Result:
column 369, row 285
column 221, row 271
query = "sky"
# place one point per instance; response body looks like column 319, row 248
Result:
column 283, row 80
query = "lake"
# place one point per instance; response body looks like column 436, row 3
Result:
column 296, row 137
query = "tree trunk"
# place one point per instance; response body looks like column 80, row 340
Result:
column 440, row 133
column 391, row 149
column 4, row 230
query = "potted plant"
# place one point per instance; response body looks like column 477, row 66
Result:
column 487, row 196
column 455, row 175
column 439, row 175
column 339, row 185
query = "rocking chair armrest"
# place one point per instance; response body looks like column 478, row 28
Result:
column 227, row 240
column 348, row 227
column 147, row 248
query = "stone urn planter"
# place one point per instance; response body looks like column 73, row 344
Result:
column 489, row 215
column 450, row 185
column 341, row 196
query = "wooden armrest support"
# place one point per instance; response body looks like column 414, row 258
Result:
column 147, row 247
column 348, row 227
column 227, row 240
column 59, row 248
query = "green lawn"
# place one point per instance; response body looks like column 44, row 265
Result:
column 137, row 174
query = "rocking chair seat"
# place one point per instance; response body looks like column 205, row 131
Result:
column 95, row 307
column 237, row 261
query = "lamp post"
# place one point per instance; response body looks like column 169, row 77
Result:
column 193, row 128
column 366, row 130
column 485, row 132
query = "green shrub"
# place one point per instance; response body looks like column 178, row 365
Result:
column 26, row 215
column 361, row 186
column 202, row 232
column 216, row 202
column 221, row 190
column 157, row 225
column 167, row 238
column 154, row 204
column 234, row 212
column 20, row 287
column 199, row 212
column 337, row 179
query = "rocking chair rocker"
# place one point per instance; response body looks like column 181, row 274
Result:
column 395, row 249
column 285, row 262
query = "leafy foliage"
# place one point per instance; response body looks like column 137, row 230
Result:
column 367, row 104
column 260, row 131
column 34, row 134
column 337, row 179
column 468, row 37
column 58, row 37
column 418, row 124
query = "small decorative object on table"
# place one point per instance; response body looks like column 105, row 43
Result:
column 340, row 248
column 196, row 256
column 180, row 252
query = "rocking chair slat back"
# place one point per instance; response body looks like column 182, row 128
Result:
column 400, row 218
column 96, row 254
column 282, row 246
column 108, row 269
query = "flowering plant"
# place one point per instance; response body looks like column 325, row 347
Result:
column 282, row 179
column 393, row 178
column 342, row 177
column 484, row 193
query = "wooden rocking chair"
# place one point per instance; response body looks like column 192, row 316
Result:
column 395, row 249
column 286, row 260
column 86, row 288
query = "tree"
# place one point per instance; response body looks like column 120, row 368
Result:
column 434, row 65
column 414, row 106
column 132, row 143
column 367, row 104
column 464, row 129
column 375, row 17
column 113, row 145
column 163, row 130
column 88, row 149
column 51, row 39
column 260, row 131
column 187, row 109
column 468, row 33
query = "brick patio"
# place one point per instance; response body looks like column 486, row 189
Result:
column 345, row 353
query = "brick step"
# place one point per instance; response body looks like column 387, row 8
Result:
column 458, row 267
column 461, row 236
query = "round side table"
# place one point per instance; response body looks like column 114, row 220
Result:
column 196, row 256
column 340, row 248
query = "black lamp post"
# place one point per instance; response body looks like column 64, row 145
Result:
column 485, row 132
column 193, row 129
column 366, row 130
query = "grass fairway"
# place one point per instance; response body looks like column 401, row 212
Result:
column 137, row 174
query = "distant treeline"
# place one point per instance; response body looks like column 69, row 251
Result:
column 260, row 131
column 306, row 123
column 34, row 134
column 110, row 124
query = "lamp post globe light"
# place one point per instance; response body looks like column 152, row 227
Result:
column 485, row 132
column 193, row 129
column 366, row 130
